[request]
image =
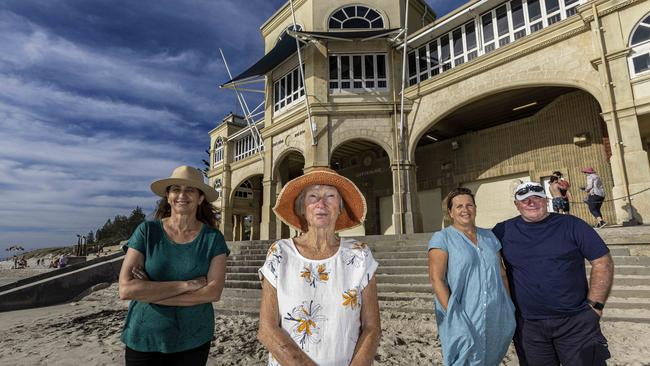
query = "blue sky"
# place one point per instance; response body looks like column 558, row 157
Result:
column 99, row 98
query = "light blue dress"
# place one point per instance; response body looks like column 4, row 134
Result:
column 479, row 322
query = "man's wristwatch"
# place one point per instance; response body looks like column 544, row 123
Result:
column 596, row 305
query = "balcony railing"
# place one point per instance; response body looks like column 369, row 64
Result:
column 485, row 33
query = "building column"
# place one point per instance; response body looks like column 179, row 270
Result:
column 225, row 225
column 636, row 170
column 268, row 223
column 406, row 217
column 255, row 224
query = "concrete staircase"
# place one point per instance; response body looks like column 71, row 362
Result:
column 403, row 281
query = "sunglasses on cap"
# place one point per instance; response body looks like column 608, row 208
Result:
column 529, row 188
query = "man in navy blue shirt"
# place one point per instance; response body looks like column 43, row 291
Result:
column 558, row 312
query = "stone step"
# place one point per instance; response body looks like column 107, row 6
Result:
column 404, row 291
column 423, row 278
column 246, row 263
column 618, row 309
column 402, row 270
column 407, row 270
column 631, row 292
column 401, row 255
column 246, row 257
column 237, row 293
column 631, row 280
column 234, row 268
column 379, row 256
column 389, row 252
column 631, row 260
column 243, row 284
column 420, row 259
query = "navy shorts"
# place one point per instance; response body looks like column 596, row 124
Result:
column 572, row 341
column 560, row 203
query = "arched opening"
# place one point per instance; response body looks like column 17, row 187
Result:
column 290, row 166
column 368, row 165
column 247, row 209
column 515, row 135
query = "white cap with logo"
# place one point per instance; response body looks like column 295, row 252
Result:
column 527, row 189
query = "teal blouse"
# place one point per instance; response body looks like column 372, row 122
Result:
column 479, row 322
column 168, row 329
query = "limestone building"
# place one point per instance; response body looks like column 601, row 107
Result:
column 494, row 91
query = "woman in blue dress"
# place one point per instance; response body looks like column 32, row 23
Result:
column 474, row 313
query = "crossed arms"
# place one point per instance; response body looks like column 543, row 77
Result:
column 135, row 285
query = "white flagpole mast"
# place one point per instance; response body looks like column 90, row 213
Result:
column 402, row 145
column 312, row 126
column 247, row 113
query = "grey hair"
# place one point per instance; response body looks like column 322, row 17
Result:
column 299, row 204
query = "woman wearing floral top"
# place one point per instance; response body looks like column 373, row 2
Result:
column 319, row 294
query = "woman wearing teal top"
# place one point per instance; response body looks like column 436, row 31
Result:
column 474, row 313
column 173, row 270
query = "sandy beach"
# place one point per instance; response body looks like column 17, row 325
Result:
column 87, row 333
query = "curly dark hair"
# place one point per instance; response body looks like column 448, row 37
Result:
column 206, row 213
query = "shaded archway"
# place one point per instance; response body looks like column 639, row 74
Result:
column 368, row 165
column 246, row 199
column 519, row 134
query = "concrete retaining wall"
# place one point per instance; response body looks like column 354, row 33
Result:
column 61, row 285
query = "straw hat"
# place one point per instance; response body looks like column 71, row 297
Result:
column 352, row 214
column 188, row 176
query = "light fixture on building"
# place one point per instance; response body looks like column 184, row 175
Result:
column 583, row 138
column 524, row 106
column 431, row 138
column 455, row 145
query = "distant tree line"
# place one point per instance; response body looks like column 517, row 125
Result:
column 118, row 229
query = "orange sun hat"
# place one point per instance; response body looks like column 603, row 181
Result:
column 354, row 208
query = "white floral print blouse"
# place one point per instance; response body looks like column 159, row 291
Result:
column 320, row 300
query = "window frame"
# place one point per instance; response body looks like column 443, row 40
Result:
column 217, row 151
column 639, row 49
column 245, row 147
column 290, row 99
column 364, row 79
column 343, row 9
column 244, row 191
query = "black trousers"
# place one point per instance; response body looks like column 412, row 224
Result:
column 572, row 341
column 192, row 357
column 594, row 203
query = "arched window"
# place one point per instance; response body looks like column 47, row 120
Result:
column 245, row 190
column 356, row 17
column 640, row 44
column 218, row 150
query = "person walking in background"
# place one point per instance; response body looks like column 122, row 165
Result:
column 319, row 292
column 174, row 268
column 558, row 311
column 595, row 195
column 474, row 313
